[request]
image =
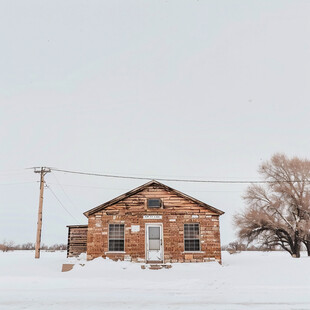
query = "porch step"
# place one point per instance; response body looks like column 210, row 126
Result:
column 156, row 266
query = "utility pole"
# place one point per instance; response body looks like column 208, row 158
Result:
column 43, row 171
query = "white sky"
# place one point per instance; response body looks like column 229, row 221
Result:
column 200, row 89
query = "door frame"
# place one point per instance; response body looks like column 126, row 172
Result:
column 147, row 239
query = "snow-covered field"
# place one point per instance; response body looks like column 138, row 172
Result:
column 249, row 280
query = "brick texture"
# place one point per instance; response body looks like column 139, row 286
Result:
column 175, row 211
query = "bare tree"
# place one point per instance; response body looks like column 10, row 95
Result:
column 27, row 246
column 278, row 212
column 6, row 246
column 235, row 247
column 307, row 244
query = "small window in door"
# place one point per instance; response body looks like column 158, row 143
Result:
column 154, row 203
column 154, row 238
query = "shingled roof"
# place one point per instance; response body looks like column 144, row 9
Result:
column 141, row 188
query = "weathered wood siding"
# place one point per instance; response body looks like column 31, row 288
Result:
column 77, row 240
column 176, row 211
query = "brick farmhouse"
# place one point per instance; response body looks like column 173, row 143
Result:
column 151, row 223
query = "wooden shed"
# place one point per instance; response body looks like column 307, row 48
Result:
column 77, row 240
column 152, row 223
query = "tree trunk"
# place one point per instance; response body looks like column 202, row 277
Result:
column 296, row 246
column 307, row 244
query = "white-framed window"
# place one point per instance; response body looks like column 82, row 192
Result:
column 191, row 237
column 153, row 203
column 116, row 237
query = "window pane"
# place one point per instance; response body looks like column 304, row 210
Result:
column 154, row 203
column 116, row 231
column 154, row 233
column 191, row 231
column 116, row 237
column 116, row 245
column 154, row 244
column 192, row 245
column 191, row 237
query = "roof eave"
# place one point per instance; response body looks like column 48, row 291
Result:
column 140, row 188
column 119, row 198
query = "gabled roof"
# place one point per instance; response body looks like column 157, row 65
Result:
column 141, row 188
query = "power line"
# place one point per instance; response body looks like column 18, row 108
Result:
column 95, row 187
column 9, row 172
column 62, row 204
column 127, row 189
column 30, row 182
column 63, row 190
column 176, row 180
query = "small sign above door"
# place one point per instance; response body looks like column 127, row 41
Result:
column 152, row 217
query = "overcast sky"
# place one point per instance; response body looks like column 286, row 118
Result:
column 177, row 89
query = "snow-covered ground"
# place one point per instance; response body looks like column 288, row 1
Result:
column 249, row 280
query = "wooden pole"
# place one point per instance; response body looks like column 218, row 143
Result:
column 42, row 172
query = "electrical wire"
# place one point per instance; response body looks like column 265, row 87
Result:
column 127, row 189
column 95, row 187
column 62, row 204
column 63, row 190
column 30, row 182
column 176, row 180
column 15, row 171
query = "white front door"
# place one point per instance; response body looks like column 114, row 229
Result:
column 154, row 242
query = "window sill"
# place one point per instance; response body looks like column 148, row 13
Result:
column 189, row 252
column 115, row 252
